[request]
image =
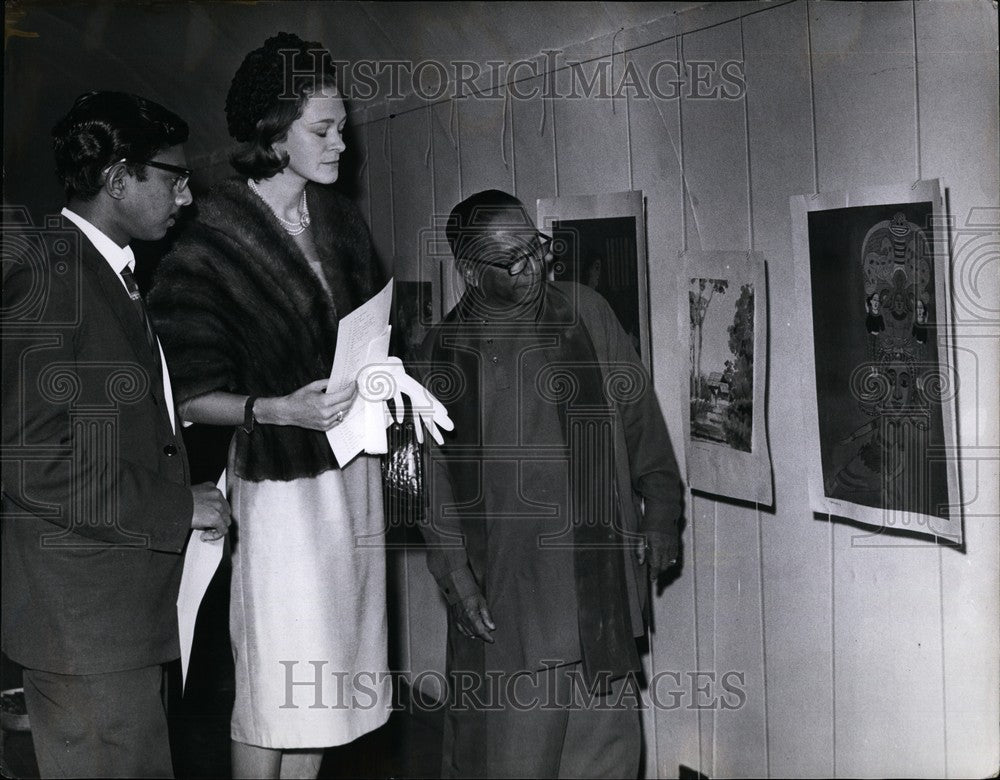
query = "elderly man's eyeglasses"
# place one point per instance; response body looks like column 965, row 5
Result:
column 181, row 175
column 540, row 247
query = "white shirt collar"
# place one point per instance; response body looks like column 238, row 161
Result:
column 118, row 257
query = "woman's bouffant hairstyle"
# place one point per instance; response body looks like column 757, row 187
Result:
column 104, row 127
column 268, row 93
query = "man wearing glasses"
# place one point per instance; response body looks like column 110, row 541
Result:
column 551, row 503
column 97, row 504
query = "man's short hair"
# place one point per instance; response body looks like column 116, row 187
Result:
column 104, row 127
column 469, row 219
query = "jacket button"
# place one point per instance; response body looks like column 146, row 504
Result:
column 170, row 450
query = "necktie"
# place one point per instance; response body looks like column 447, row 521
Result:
column 140, row 309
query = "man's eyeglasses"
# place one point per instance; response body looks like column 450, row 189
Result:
column 541, row 244
column 182, row 175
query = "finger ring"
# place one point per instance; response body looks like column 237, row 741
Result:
column 340, row 416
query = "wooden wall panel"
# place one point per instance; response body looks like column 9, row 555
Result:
column 486, row 149
column 532, row 131
column 380, row 186
column 591, row 134
column 411, row 163
column 715, row 169
column 447, row 192
column 796, row 575
column 356, row 138
column 863, row 68
column 957, row 78
column 887, row 635
column 654, row 137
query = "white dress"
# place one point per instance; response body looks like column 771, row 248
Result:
column 308, row 608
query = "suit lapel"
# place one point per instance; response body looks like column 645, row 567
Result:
column 117, row 299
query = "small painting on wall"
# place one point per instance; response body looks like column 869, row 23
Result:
column 723, row 308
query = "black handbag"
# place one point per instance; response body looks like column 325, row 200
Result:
column 403, row 477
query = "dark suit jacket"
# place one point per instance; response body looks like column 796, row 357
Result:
column 96, row 503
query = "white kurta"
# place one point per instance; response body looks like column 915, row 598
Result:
column 308, row 608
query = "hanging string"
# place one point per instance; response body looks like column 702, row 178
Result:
column 545, row 104
column 430, row 136
column 614, row 38
column 503, row 129
column 385, row 135
column 452, row 116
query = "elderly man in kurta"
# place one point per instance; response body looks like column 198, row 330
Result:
column 552, row 504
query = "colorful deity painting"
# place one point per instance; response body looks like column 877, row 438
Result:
column 879, row 377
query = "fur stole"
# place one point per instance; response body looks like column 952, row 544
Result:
column 238, row 308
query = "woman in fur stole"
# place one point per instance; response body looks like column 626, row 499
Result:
column 247, row 306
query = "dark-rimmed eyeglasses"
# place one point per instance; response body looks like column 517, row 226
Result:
column 182, row 175
column 540, row 246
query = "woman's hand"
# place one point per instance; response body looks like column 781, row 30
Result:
column 308, row 407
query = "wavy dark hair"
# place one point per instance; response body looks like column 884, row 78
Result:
column 104, row 127
column 267, row 94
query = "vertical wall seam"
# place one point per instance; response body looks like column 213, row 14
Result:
column 833, row 645
column 694, row 516
column 760, row 532
column 392, row 190
column 434, row 221
column 916, row 94
column 430, row 135
column 763, row 643
column 513, row 158
column 458, row 145
column 653, row 743
column 680, row 148
column 940, row 559
column 368, row 169
column 628, row 139
column 812, row 99
column 715, row 625
column 746, row 133
column 555, row 147
column 944, row 669
column 694, row 601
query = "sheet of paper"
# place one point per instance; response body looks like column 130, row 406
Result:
column 354, row 333
column 374, row 405
column 201, row 561
column 362, row 340
column 363, row 427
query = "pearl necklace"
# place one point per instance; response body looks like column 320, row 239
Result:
column 293, row 228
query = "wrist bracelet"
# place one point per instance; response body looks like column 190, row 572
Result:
column 248, row 418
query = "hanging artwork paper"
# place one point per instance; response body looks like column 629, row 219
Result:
column 878, row 383
column 723, row 309
column 600, row 241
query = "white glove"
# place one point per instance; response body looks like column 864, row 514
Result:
column 389, row 379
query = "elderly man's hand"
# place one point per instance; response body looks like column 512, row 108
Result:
column 473, row 618
column 661, row 550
